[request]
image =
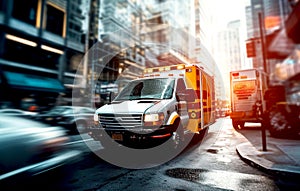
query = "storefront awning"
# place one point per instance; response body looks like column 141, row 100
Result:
column 33, row 82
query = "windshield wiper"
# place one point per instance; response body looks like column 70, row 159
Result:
column 137, row 98
column 147, row 98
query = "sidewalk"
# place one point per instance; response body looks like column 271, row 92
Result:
column 282, row 156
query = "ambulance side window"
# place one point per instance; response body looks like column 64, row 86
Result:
column 169, row 91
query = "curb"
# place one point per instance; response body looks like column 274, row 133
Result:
column 249, row 154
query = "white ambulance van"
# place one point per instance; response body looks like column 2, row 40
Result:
column 166, row 103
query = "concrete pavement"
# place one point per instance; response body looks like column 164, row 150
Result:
column 282, row 156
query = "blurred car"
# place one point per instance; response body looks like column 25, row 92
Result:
column 17, row 112
column 222, row 112
column 28, row 148
column 74, row 118
column 226, row 111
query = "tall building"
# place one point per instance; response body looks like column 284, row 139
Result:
column 253, row 30
column 228, row 54
column 118, row 54
column 133, row 35
column 145, row 34
column 273, row 14
column 234, row 37
column 40, row 49
column 204, row 36
column 171, row 33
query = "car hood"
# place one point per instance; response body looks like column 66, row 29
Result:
column 128, row 106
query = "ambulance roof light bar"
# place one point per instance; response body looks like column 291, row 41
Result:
column 164, row 68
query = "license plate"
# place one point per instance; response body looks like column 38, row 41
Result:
column 117, row 137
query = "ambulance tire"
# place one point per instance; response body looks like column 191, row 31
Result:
column 238, row 125
column 198, row 137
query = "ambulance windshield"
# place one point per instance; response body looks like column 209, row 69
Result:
column 157, row 88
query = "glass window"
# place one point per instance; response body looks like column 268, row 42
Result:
column 161, row 88
column 30, row 55
column 55, row 20
column 25, row 12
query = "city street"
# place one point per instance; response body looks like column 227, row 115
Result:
column 149, row 95
column 212, row 164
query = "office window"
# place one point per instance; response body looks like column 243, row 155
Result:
column 2, row 6
column 29, row 55
column 55, row 20
column 25, row 12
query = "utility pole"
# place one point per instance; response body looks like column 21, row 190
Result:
column 262, row 38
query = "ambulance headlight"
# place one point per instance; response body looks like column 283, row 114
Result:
column 151, row 117
column 154, row 119
column 96, row 119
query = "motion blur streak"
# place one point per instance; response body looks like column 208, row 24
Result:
column 48, row 163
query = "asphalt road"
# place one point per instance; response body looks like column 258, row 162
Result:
column 211, row 164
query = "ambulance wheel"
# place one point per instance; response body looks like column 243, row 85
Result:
column 198, row 137
column 237, row 125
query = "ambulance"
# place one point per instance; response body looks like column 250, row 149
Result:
column 165, row 104
column 247, row 96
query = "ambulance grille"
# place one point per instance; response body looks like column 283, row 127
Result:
column 120, row 121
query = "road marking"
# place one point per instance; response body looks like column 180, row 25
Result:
column 80, row 141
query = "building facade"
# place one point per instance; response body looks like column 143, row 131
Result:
column 139, row 34
column 89, row 44
column 42, row 46
column 273, row 15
